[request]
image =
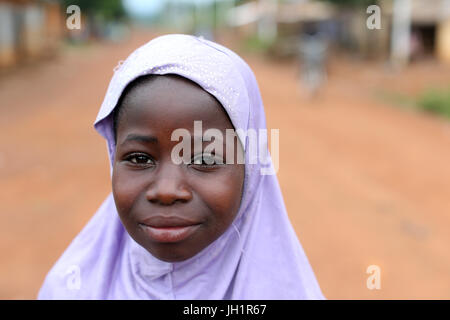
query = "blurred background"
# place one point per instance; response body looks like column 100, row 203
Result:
column 360, row 94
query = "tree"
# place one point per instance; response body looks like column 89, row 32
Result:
column 352, row 3
column 107, row 9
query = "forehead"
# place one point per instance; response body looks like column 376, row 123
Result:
column 171, row 102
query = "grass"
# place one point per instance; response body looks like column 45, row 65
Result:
column 435, row 101
column 432, row 100
column 255, row 44
column 397, row 99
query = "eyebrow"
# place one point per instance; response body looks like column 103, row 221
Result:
column 140, row 138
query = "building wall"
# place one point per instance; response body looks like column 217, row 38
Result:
column 443, row 41
column 7, row 36
column 33, row 30
column 29, row 30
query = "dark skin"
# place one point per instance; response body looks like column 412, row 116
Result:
column 147, row 183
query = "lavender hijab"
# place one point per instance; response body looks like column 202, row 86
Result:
column 258, row 256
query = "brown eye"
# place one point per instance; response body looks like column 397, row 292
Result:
column 140, row 159
column 206, row 159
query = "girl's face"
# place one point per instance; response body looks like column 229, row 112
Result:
column 172, row 210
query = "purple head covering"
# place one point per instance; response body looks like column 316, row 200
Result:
column 257, row 257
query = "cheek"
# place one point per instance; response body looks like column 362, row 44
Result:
column 125, row 191
column 223, row 195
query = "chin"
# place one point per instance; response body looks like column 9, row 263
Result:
column 168, row 254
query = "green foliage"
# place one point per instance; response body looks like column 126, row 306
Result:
column 352, row 3
column 435, row 101
column 396, row 99
column 254, row 44
column 108, row 9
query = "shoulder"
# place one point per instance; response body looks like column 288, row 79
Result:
column 81, row 271
column 61, row 283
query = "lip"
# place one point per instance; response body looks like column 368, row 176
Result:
column 168, row 229
column 168, row 222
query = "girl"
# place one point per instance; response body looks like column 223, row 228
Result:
column 204, row 228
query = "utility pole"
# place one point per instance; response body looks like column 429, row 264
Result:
column 401, row 33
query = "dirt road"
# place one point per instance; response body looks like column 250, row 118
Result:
column 364, row 183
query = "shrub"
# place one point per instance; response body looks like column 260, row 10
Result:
column 435, row 101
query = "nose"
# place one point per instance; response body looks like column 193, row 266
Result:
column 169, row 186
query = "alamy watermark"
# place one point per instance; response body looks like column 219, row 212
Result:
column 254, row 141
column 74, row 20
column 374, row 20
column 374, row 280
column 73, row 280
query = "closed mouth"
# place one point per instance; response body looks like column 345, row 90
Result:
column 169, row 234
column 168, row 229
column 168, row 222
